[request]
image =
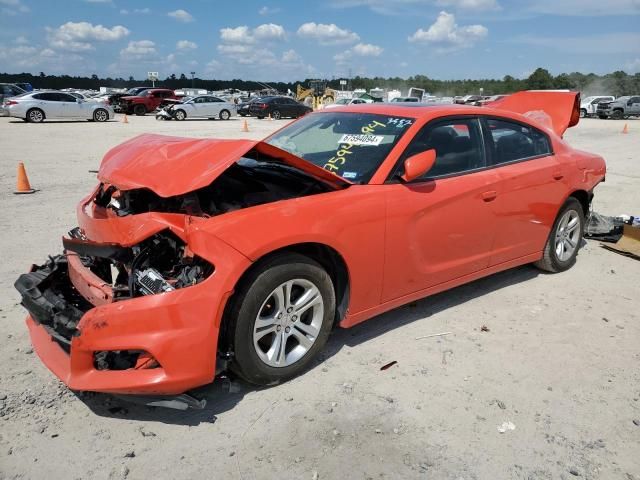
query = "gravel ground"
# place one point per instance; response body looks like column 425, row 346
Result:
column 559, row 360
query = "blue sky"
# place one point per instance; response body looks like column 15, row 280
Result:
column 291, row 40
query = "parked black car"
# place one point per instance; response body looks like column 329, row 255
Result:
column 278, row 107
column 243, row 107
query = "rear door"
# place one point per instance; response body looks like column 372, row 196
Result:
column 532, row 185
column 50, row 103
column 70, row 106
column 441, row 227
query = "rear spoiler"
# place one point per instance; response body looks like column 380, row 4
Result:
column 557, row 109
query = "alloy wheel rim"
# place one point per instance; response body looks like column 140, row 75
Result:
column 276, row 115
column 567, row 235
column 288, row 323
column 36, row 116
column 225, row 116
column 101, row 116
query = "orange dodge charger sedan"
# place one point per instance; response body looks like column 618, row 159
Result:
column 193, row 256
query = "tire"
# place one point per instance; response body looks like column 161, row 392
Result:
column 583, row 113
column 617, row 114
column 276, row 115
column 558, row 259
column 35, row 115
column 260, row 117
column 180, row 115
column 225, row 115
column 256, row 297
column 602, row 117
column 100, row 115
column 139, row 110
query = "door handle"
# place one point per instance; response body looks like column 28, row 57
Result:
column 489, row 196
column 557, row 175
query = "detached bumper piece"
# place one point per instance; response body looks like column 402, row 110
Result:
column 52, row 301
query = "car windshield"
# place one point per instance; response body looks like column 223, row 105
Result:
column 351, row 145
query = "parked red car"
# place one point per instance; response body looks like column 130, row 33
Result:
column 192, row 256
column 146, row 101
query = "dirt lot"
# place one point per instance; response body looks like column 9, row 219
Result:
column 561, row 359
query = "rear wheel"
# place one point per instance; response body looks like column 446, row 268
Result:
column 583, row 113
column 562, row 246
column 100, row 115
column 35, row 115
column 140, row 110
column 617, row 114
column 276, row 115
column 283, row 315
column 180, row 115
column 225, row 115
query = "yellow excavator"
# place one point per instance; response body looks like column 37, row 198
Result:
column 318, row 92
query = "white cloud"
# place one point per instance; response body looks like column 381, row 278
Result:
column 327, row 34
column 181, row 15
column 367, row 50
column 21, row 40
column 482, row 5
column 291, row 56
column 633, row 66
column 139, row 50
column 269, row 10
column 404, row 7
column 78, row 36
column 243, row 35
column 13, row 7
column 141, row 11
column 584, row 7
column 596, row 44
column 359, row 50
column 445, row 35
column 186, row 45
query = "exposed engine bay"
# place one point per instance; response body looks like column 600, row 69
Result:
column 247, row 183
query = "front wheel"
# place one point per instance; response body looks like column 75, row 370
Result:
column 562, row 246
column 101, row 115
column 283, row 315
column 140, row 110
column 225, row 115
column 617, row 115
column 583, row 113
column 180, row 115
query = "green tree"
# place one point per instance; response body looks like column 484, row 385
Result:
column 541, row 79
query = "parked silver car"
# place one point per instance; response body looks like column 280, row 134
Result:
column 8, row 90
column 35, row 107
column 201, row 106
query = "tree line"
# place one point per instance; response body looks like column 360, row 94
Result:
column 617, row 83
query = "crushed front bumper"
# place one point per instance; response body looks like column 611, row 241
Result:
column 74, row 318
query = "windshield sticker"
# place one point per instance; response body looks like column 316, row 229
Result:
column 349, row 174
column 399, row 122
column 363, row 139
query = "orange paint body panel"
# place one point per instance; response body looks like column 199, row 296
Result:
column 399, row 241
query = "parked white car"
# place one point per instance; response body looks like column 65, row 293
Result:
column 201, row 106
column 589, row 105
column 348, row 101
column 35, row 107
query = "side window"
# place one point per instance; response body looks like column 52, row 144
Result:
column 216, row 100
column 200, row 100
column 39, row 96
column 49, row 97
column 458, row 146
column 65, row 97
column 513, row 141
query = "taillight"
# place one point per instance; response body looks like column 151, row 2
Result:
column 263, row 105
column 10, row 102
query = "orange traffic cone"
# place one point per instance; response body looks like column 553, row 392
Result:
column 22, row 185
column 625, row 129
column 245, row 126
column 125, row 119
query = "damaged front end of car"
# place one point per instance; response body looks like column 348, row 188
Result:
column 134, row 304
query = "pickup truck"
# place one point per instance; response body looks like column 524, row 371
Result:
column 589, row 105
column 622, row 107
column 147, row 101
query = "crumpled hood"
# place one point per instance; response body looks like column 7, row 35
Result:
column 171, row 166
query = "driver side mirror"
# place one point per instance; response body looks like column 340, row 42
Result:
column 417, row 165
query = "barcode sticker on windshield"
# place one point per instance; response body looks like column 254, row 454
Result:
column 361, row 139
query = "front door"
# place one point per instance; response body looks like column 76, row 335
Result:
column 442, row 226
